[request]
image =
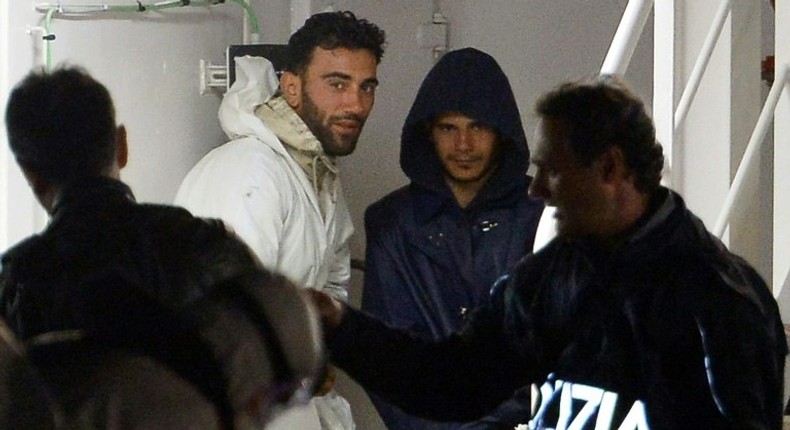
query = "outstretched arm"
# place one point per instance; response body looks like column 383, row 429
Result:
column 460, row 378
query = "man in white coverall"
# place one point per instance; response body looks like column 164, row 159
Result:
column 276, row 182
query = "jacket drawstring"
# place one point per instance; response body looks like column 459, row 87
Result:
column 334, row 170
column 314, row 176
column 317, row 182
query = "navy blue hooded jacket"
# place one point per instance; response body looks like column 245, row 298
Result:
column 429, row 261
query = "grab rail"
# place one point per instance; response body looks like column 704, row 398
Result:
column 758, row 136
column 702, row 62
column 624, row 41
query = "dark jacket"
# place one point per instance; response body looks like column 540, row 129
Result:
column 99, row 237
column 429, row 261
column 669, row 330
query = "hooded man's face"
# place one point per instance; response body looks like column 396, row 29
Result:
column 466, row 148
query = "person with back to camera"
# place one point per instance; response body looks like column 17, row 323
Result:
column 633, row 317
column 276, row 182
column 105, row 266
column 232, row 358
column 435, row 246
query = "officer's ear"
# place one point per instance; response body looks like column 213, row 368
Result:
column 121, row 147
column 291, row 87
column 612, row 166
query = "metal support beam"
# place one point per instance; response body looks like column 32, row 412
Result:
column 664, row 71
column 758, row 137
column 702, row 62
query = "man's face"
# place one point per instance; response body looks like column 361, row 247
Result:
column 335, row 95
column 465, row 147
column 578, row 192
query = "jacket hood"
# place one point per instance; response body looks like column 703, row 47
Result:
column 471, row 82
column 297, row 139
column 256, row 82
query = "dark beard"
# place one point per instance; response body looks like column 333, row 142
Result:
column 335, row 145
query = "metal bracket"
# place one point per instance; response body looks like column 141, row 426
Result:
column 213, row 78
column 433, row 35
column 38, row 36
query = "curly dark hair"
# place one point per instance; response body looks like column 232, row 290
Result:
column 604, row 112
column 61, row 124
column 331, row 30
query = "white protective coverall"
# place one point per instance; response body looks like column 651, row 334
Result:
column 275, row 187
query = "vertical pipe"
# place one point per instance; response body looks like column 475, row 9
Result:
column 664, row 84
column 781, row 245
column 702, row 62
column 627, row 35
column 4, row 158
column 39, row 49
column 246, row 32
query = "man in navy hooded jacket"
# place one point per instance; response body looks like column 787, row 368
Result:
column 435, row 246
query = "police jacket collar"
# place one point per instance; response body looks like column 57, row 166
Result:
column 91, row 191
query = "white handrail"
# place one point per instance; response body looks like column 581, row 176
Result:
column 702, row 63
column 624, row 41
column 785, row 284
column 758, row 136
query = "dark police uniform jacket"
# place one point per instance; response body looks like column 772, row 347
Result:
column 669, row 331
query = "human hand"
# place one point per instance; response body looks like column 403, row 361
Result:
column 329, row 309
column 327, row 382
